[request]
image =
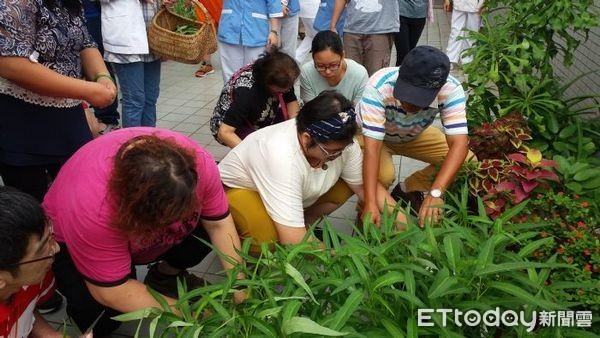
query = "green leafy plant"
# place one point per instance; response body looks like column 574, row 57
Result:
column 373, row 283
column 184, row 8
column 571, row 236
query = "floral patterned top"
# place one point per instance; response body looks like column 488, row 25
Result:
column 244, row 104
column 52, row 37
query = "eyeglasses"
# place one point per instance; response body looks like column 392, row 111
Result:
column 330, row 156
column 332, row 67
column 48, row 240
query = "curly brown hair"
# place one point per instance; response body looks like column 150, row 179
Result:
column 153, row 183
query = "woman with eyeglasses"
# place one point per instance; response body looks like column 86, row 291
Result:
column 330, row 70
column 283, row 178
column 257, row 95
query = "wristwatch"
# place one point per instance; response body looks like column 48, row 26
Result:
column 437, row 193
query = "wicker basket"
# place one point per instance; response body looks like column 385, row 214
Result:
column 167, row 44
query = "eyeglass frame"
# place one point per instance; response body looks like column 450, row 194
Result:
column 330, row 156
column 50, row 237
column 331, row 67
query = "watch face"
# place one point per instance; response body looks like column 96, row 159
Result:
column 436, row 193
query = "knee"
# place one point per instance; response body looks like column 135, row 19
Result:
column 387, row 175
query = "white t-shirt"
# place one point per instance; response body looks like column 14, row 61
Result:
column 271, row 162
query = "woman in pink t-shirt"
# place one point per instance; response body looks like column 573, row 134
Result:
column 135, row 196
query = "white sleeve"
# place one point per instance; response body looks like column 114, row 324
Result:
column 352, row 170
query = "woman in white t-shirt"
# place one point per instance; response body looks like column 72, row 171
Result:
column 330, row 70
column 284, row 177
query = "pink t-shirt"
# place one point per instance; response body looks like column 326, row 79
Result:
column 80, row 207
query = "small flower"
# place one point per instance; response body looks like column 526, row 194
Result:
column 580, row 234
column 587, row 267
column 571, row 228
column 560, row 250
column 569, row 259
column 575, row 196
column 586, row 252
column 584, row 204
column 581, row 224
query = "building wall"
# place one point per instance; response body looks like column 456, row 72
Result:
column 586, row 60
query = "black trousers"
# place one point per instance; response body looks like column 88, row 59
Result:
column 84, row 309
column 32, row 179
column 408, row 36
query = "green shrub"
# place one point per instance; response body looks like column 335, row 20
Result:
column 373, row 283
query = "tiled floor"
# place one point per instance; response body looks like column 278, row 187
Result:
column 186, row 104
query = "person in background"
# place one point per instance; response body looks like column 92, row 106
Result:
column 396, row 119
column 323, row 18
column 246, row 28
column 285, row 177
column 466, row 16
column 45, row 51
column 108, row 116
column 289, row 27
column 368, row 31
column 214, row 8
column 135, row 196
column 126, row 47
column 308, row 12
column 26, row 255
column 413, row 14
column 330, row 70
column 258, row 95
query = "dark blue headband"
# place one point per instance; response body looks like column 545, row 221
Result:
column 325, row 129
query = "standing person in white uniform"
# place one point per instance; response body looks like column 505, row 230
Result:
column 466, row 14
column 308, row 12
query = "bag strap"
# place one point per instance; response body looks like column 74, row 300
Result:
column 283, row 105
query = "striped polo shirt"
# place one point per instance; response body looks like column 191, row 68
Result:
column 382, row 117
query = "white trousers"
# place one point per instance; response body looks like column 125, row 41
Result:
column 234, row 57
column 288, row 35
column 306, row 43
column 460, row 21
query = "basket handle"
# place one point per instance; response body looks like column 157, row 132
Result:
column 200, row 6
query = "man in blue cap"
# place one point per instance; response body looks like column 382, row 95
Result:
column 396, row 116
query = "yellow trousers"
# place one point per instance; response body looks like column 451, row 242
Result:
column 430, row 147
column 251, row 217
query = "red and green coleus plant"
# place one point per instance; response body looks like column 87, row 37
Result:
column 497, row 139
column 510, row 181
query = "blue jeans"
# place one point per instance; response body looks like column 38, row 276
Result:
column 110, row 114
column 140, row 82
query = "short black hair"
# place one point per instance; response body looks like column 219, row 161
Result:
column 327, row 40
column 326, row 105
column 275, row 68
column 21, row 217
